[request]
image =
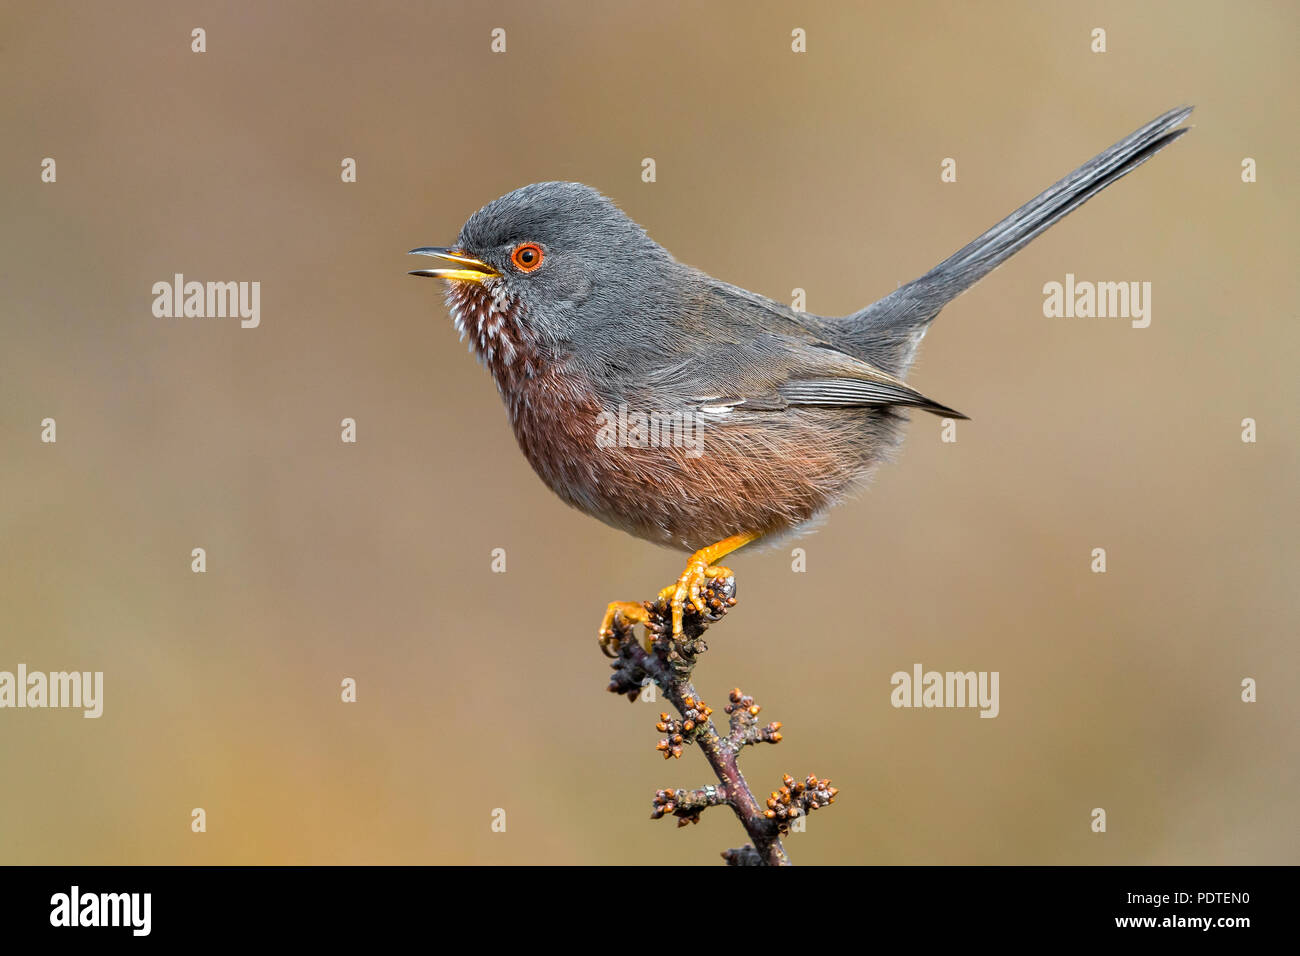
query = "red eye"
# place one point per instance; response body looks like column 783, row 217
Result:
column 527, row 257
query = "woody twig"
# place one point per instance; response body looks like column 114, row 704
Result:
column 670, row 664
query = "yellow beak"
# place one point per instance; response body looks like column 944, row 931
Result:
column 469, row 269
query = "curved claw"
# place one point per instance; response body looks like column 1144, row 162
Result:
column 620, row 616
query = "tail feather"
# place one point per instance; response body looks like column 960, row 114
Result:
column 897, row 322
column 972, row 262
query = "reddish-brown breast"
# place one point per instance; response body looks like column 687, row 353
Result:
column 706, row 478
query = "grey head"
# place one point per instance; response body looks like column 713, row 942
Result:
column 561, row 258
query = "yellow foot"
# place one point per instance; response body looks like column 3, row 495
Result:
column 688, row 588
column 699, row 570
column 620, row 616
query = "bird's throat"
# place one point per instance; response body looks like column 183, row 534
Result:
column 494, row 323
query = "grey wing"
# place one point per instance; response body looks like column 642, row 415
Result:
column 775, row 389
column 767, row 358
column 859, row 392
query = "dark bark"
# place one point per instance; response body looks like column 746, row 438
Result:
column 670, row 664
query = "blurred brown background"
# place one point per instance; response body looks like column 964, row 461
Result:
column 775, row 170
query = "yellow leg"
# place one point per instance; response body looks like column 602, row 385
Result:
column 699, row 569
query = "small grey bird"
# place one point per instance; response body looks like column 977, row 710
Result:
column 584, row 320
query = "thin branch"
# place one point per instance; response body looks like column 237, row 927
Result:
column 670, row 663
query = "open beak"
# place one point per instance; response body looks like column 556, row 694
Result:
column 467, row 268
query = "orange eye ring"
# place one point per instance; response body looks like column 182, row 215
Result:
column 527, row 256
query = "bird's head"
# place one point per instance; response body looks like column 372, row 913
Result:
column 545, row 266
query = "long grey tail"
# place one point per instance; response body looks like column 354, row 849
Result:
column 902, row 316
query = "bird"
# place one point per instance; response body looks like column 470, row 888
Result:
column 583, row 321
